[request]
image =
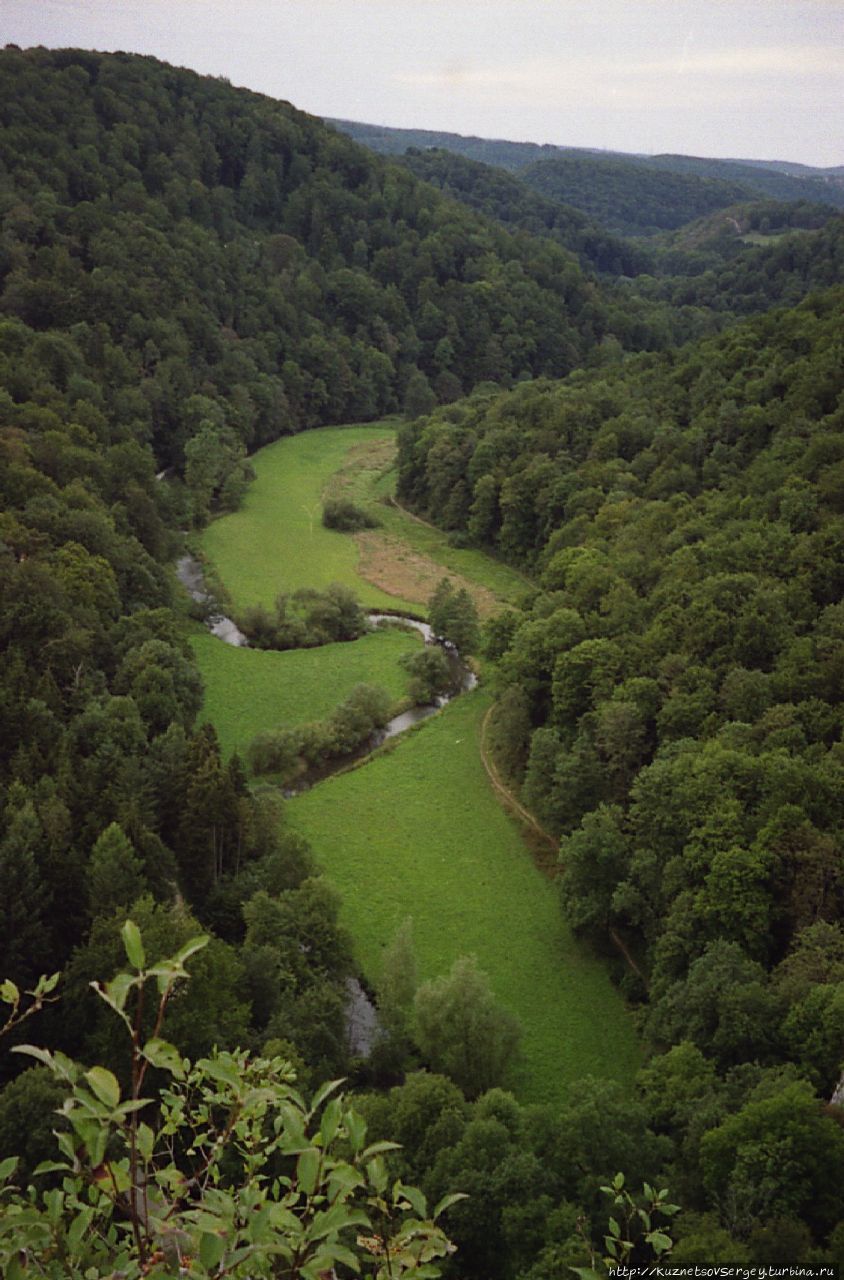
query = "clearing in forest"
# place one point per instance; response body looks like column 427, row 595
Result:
column 417, row 830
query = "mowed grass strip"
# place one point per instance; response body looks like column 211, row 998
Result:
column 418, row 832
column 248, row 690
column 276, row 541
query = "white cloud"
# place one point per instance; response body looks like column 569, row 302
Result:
column 555, row 73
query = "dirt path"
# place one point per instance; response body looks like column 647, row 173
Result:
column 547, row 865
column 506, row 795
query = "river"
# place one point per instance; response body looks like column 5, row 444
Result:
column 361, row 1016
column 190, row 574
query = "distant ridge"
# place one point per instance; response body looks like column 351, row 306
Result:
column 776, row 179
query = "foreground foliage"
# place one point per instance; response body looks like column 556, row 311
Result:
column 228, row 1172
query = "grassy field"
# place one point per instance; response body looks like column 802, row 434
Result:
column 247, row 690
column 276, row 542
column 417, row 832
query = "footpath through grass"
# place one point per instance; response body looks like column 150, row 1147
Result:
column 248, row 690
column 418, row 832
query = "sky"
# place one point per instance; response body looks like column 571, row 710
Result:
column 760, row 79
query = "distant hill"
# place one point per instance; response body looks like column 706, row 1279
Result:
column 776, row 179
column 394, row 142
column 505, row 197
column 630, row 198
column 792, row 167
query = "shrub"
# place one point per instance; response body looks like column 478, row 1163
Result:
column 345, row 516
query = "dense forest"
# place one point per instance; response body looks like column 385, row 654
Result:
column 629, row 198
column 188, row 271
column 671, row 694
column 245, row 254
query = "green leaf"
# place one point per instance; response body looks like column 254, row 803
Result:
column 414, row 1197
column 585, row 1273
column 342, row 1180
column 104, row 1085
column 225, row 1072
column 190, row 948
column 32, row 1051
column 337, row 1218
column 448, row 1201
column 9, row 993
column 81, row 1222
column 103, row 990
column 658, row 1241
column 145, row 1139
column 7, row 1167
column 119, row 987
column 160, row 1053
column 330, row 1121
column 614, row 1227
column 356, row 1129
column 377, row 1173
column 324, row 1090
column 307, row 1168
column 131, row 935
column 49, row 1166
column 378, row 1148
column 46, row 984
column 336, row 1253
column 211, row 1249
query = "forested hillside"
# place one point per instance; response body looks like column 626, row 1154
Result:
column 193, row 240
column 776, row 180
column 671, row 696
column 703, row 275
column 627, row 197
column 503, row 196
column 188, row 271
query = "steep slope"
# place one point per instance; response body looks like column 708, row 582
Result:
column 629, row 197
column 215, row 256
column 504, row 196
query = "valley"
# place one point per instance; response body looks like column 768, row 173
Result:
column 417, row 831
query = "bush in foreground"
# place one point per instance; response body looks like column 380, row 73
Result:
column 229, row 1172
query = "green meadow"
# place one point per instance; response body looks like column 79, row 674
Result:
column 417, row 832
column 276, row 541
column 248, row 690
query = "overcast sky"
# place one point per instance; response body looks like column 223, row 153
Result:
column 744, row 78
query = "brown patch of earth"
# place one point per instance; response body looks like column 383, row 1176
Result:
column 364, row 464
column 389, row 563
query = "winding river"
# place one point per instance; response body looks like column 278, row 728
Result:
column 190, row 574
column 361, row 1015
